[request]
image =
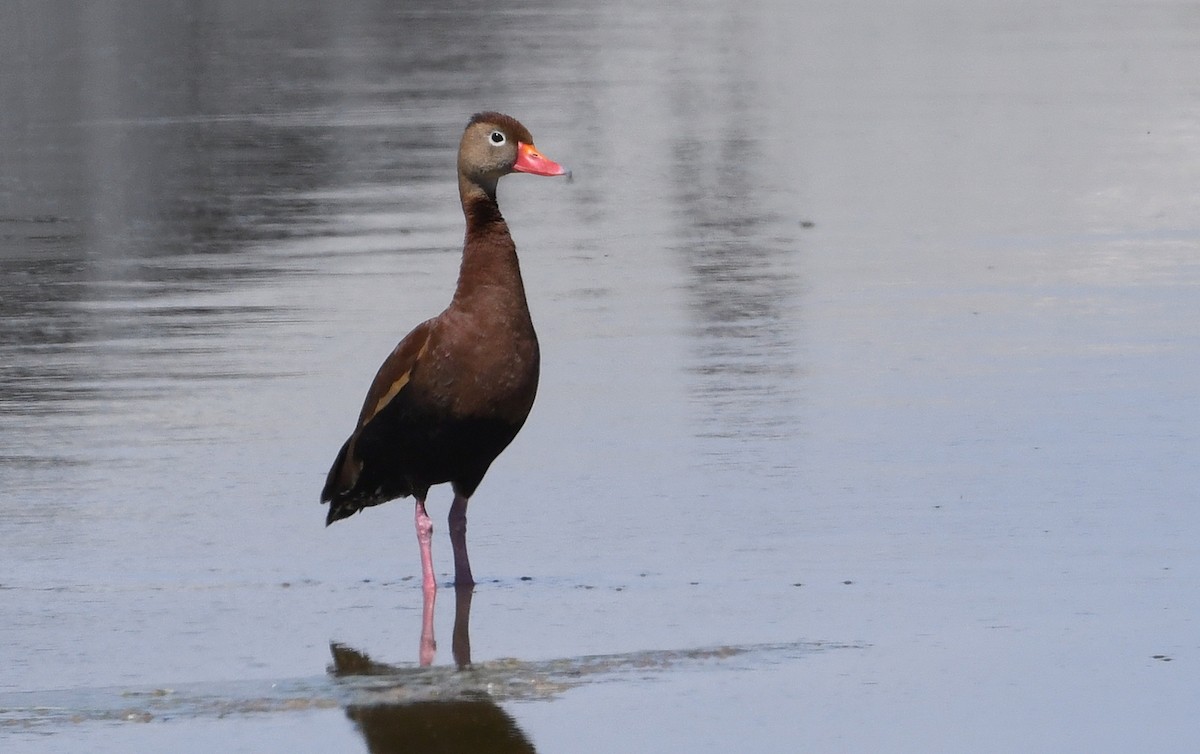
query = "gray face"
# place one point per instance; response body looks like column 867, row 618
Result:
column 487, row 151
column 489, row 147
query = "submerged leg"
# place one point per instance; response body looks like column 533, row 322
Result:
column 425, row 540
column 458, row 540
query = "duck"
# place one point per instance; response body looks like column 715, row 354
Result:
column 455, row 391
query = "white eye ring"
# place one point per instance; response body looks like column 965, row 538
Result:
column 497, row 138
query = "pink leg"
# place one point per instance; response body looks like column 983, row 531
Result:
column 428, row 644
column 458, row 540
column 425, row 540
column 428, row 583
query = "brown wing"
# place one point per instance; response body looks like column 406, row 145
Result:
column 390, row 380
column 396, row 371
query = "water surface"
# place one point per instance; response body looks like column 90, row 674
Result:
column 867, row 327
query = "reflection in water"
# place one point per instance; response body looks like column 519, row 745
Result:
column 140, row 172
column 469, row 722
column 464, row 725
column 741, row 287
column 356, row 682
column 156, row 153
column 461, row 636
column 456, row 708
column 149, row 154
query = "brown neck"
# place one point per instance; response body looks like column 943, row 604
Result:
column 489, row 270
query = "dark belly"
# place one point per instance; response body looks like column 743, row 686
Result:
column 421, row 451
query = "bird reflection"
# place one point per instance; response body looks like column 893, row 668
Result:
column 460, row 640
column 468, row 722
column 472, row 724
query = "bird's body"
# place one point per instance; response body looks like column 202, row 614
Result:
column 447, row 400
column 456, row 390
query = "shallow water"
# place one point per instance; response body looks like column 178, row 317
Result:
column 867, row 328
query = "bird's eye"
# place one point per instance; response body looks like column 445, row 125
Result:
column 497, row 138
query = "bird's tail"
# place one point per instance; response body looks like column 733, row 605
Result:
column 349, row 489
column 340, row 484
column 339, row 509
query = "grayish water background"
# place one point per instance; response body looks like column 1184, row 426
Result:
column 953, row 424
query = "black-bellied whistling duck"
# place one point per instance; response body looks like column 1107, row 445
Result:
column 456, row 390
